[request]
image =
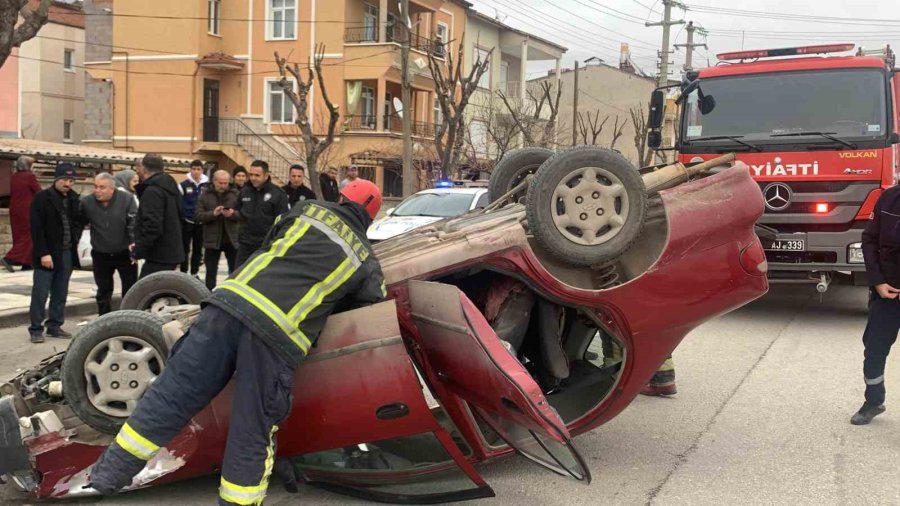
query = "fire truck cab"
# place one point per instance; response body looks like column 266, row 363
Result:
column 820, row 135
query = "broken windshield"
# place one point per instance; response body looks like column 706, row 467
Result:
column 846, row 103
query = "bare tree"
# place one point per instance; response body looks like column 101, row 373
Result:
column 454, row 89
column 639, row 120
column 527, row 115
column 617, row 131
column 314, row 144
column 590, row 127
column 12, row 36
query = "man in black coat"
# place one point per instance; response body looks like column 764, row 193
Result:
column 54, row 235
column 157, row 228
column 259, row 204
column 329, row 185
column 881, row 251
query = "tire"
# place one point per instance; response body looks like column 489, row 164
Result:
column 135, row 331
column 559, row 230
column 512, row 168
column 164, row 289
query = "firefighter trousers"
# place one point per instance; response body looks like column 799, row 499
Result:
column 215, row 348
column 881, row 332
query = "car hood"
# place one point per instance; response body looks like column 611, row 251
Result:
column 390, row 226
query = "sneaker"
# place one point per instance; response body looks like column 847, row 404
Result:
column 59, row 334
column 659, row 390
column 866, row 413
column 6, row 265
column 37, row 338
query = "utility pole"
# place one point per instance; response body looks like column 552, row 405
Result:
column 689, row 58
column 575, row 110
column 408, row 171
column 666, row 24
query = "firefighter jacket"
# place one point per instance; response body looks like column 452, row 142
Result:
column 881, row 240
column 313, row 258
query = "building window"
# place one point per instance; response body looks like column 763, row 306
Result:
column 438, row 113
column 215, row 13
column 67, row 131
column 478, row 137
column 69, row 60
column 442, row 36
column 480, row 56
column 370, row 24
column 281, row 109
column 368, row 108
column 282, row 18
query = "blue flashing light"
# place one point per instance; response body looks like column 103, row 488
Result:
column 443, row 184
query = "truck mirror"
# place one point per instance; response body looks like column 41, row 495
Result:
column 895, row 138
column 657, row 108
column 654, row 139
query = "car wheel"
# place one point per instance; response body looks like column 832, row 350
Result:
column 586, row 206
column 110, row 364
column 162, row 289
column 512, row 169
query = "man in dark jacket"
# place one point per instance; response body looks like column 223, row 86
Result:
column 329, row 185
column 296, row 190
column 881, row 250
column 111, row 214
column 260, row 203
column 54, row 236
column 157, row 230
column 215, row 211
column 262, row 323
column 192, row 232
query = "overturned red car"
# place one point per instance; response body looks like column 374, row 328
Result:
column 493, row 341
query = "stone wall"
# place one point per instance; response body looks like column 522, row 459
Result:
column 5, row 232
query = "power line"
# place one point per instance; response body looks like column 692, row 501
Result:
column 646, row 44
column 796, row 17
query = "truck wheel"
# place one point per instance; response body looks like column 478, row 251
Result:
column 512, row 169
column 161, row 289
column 587, row 205
column 110, row 364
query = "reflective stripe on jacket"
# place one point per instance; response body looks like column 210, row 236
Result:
column 313, row 258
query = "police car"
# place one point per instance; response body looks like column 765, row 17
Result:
column 446, row 200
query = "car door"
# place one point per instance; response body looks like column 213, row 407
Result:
column 361, row 424
column 470, row 360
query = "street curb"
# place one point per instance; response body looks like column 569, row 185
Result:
column 83, row 307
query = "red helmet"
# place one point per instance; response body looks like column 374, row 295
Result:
column 364, row 193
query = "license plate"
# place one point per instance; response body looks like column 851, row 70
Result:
column 788, row 245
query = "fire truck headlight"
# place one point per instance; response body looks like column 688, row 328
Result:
column 855, row 253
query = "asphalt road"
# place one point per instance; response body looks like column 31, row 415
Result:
column 761, row 417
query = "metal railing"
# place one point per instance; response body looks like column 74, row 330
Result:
column 359, row 121
column 394, row 124
column 235, row 131
column 360, row 34
column 394, row 33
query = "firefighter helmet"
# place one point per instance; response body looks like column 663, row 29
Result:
column 364, row 193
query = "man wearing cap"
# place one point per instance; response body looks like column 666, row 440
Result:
column 54, row 236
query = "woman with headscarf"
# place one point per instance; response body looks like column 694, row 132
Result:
column 22, row 188
column 126, row 180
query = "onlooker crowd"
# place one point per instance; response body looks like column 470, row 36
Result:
column 216, row 213
column 192, row 232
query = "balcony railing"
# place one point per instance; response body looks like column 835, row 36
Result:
column 360, row 122
column 395, row 33
column 394, row 124
column 360, row 34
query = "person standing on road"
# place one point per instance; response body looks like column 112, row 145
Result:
column 239, row 176
column 881, row 251
column 23, row 186
column 215, row 211
column 662, row 384
column 296, row 190
column 352, row 175
column 111, row 214
column 328, row 184
column 259, row 204
column 192, row 232
column 261, row 322
column 157, row 229
column 54, row 235
column 126, row 180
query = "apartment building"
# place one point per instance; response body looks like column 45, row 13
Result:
column 198, row 77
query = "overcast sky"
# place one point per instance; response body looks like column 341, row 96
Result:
column 597, row 27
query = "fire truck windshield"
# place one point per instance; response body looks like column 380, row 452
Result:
column 778, row 108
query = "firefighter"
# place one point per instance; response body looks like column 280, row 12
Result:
column 662, row 384
column 881, row 251
column 257, row 326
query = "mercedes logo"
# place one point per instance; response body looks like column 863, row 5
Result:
column 777, row 196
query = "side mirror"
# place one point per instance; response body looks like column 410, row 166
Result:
column 657, row 108
column 894, row 138
column 707, row 104
column 390, row 211
column 654, row 139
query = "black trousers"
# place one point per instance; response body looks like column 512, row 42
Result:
column 105, row 266
column 151, row 267
column 212, row 262
column 54, row 284
column 881, row 332
column 192, row 241
column 215, row 347
column 244, row 252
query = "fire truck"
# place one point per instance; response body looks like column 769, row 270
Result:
column 820, row 134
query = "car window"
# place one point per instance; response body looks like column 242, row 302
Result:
column 438, row 205
column 483, row 201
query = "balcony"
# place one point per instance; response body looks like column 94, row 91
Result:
column 393, row 124
column 395, row 34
